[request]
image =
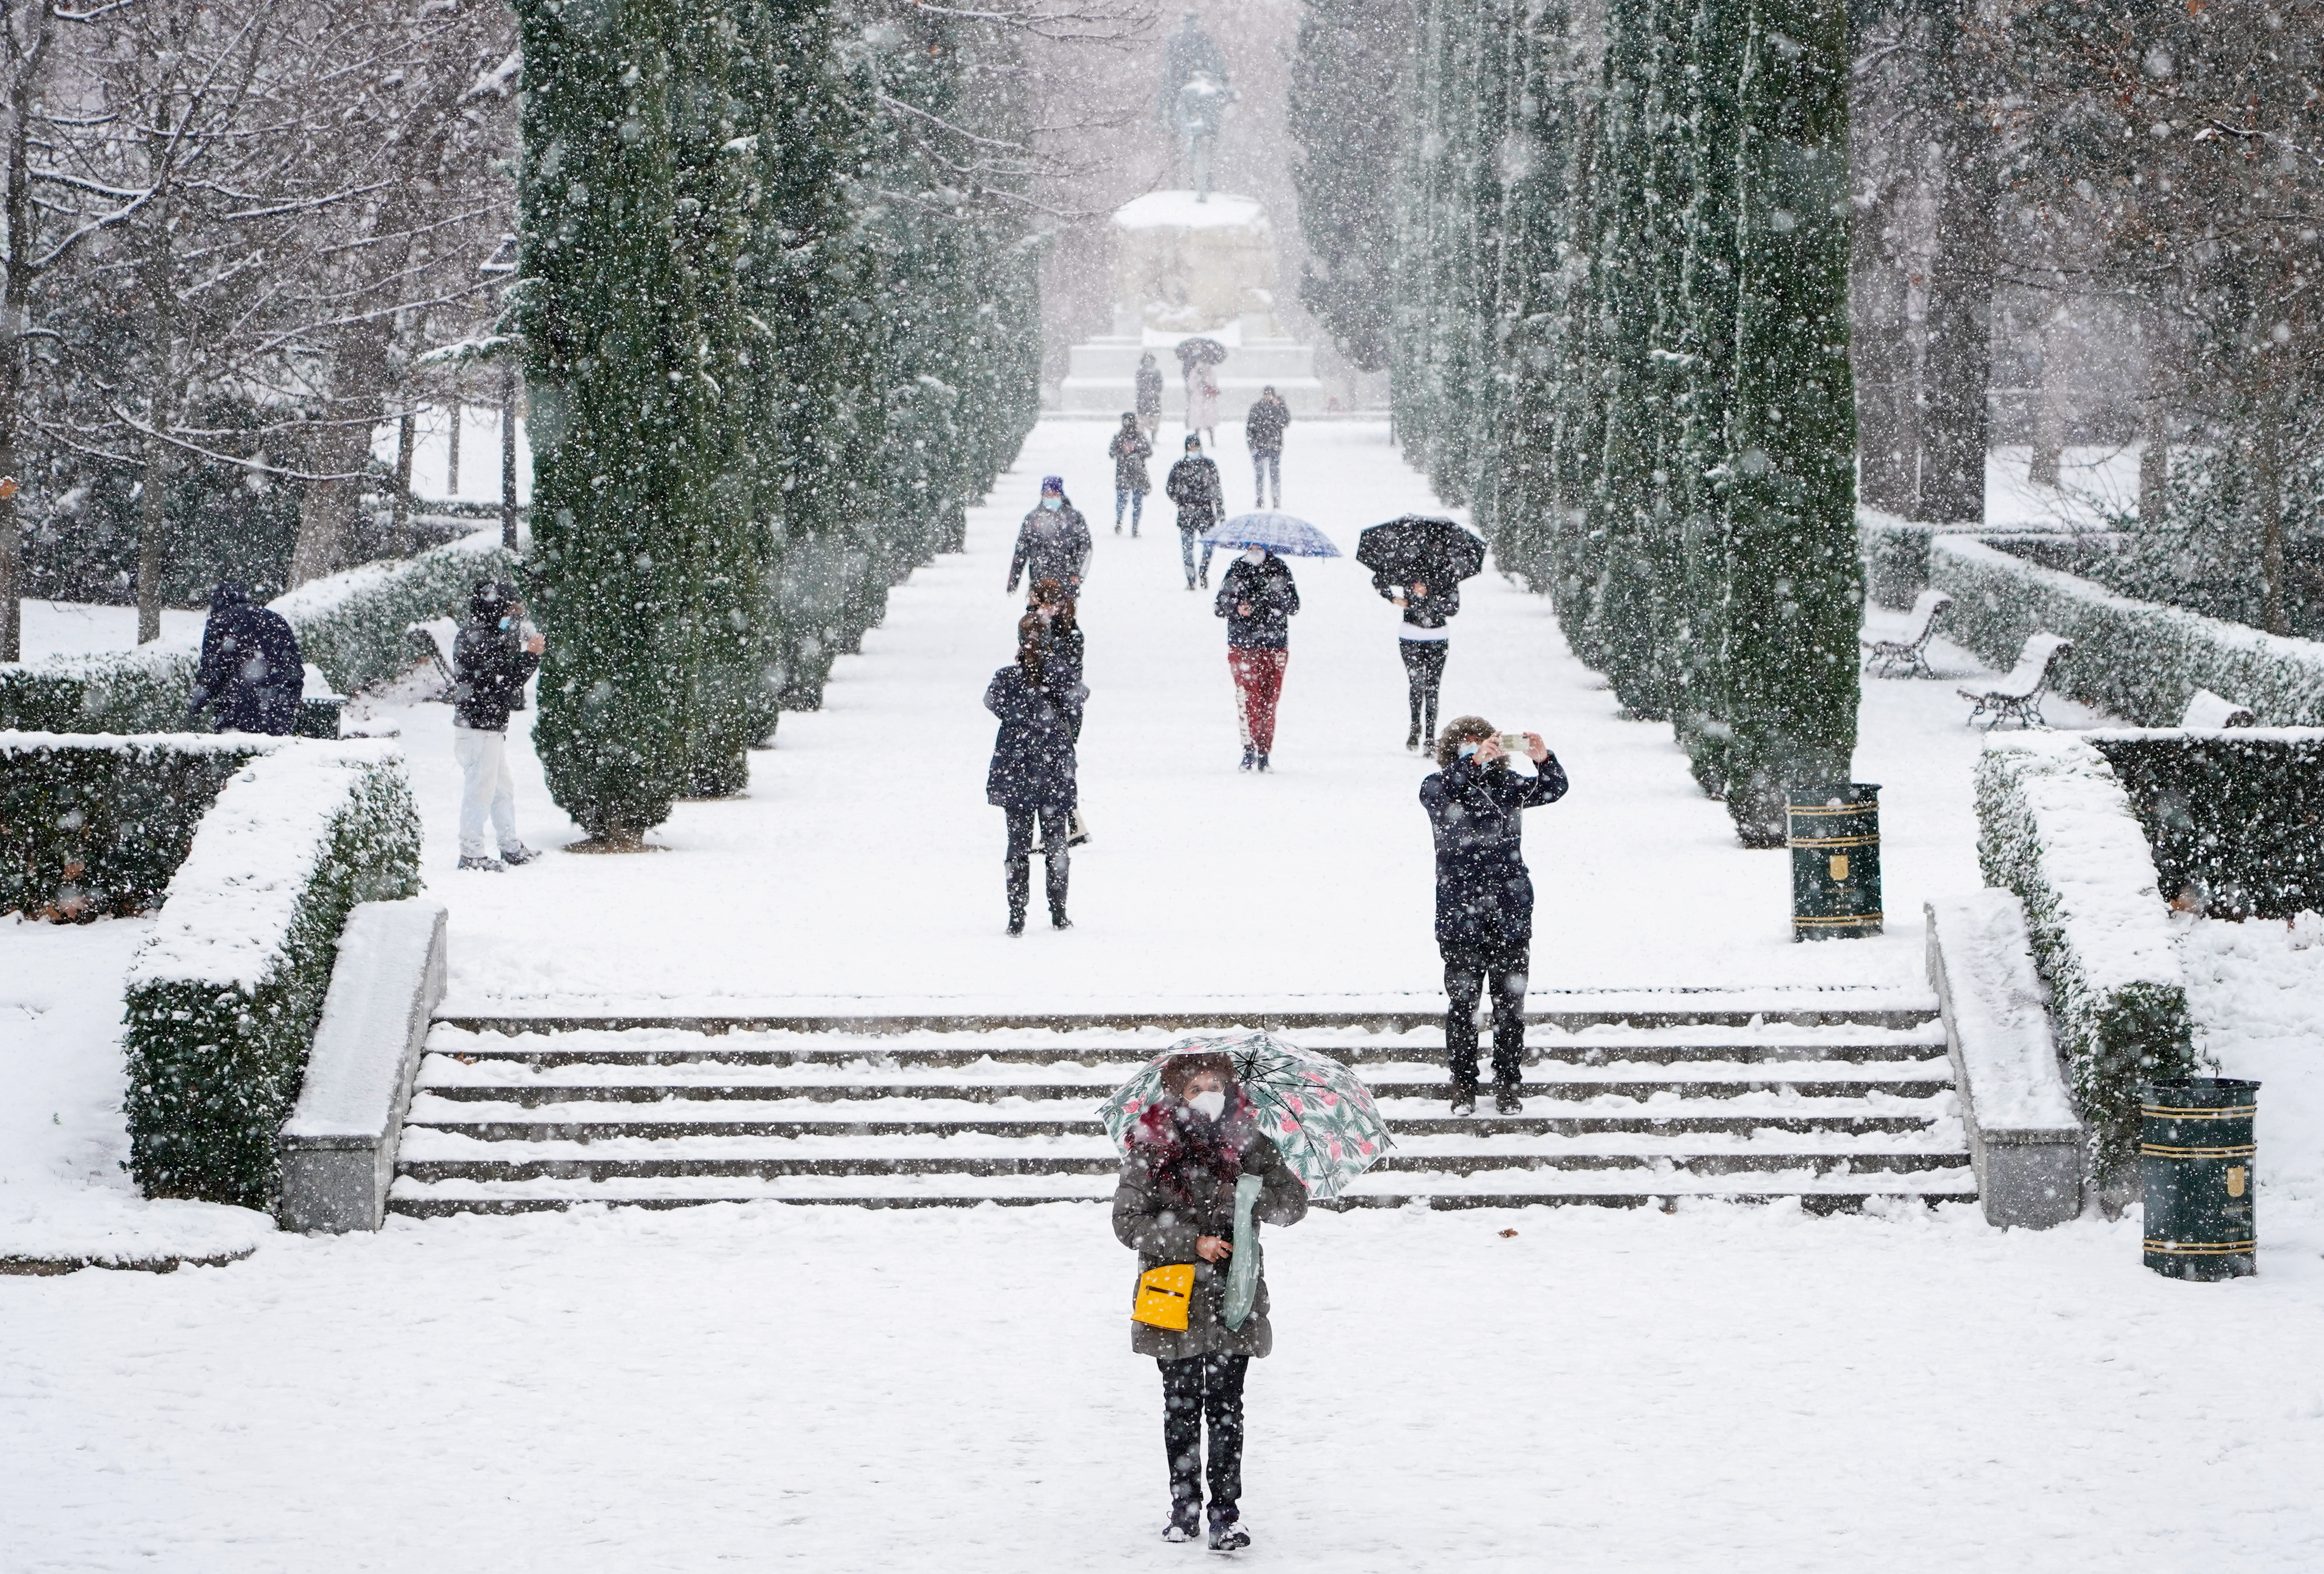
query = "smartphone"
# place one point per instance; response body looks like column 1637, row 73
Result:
column 1515, row 742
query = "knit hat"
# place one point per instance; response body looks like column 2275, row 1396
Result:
column 1053, row 484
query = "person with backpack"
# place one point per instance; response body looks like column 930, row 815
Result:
column 1130, row 450
column 1032, row 774
column 1175, row 1205
column 1258, row 598
column 1193, row 486
column 1484, row 896
column 251, row 678
column 495, row 654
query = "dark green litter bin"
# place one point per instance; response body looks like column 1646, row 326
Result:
column 1835, row 842
column 2195, row 1154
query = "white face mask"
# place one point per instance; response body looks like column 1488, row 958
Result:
column 1255, row 556
column 1210, row 1105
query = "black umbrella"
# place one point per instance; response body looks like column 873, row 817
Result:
column 1192, row 352
column 1420, row 547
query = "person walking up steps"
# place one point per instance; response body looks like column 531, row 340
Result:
column 1423, row 642
column 1053, row 543
column 1149, row 396
column 1262, row 431
column 1484, row 896
column 1175, row 1205
column 1129, row 451
column 1258, row 598
column 1033, row 770
column 1193, row 487
column 492, row 658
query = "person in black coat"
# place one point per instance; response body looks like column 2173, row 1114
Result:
column 1258, row 598
column 1149, row 396
column 493, row 655
column 1053, row 542
column 1423, row 642
column 1062, row 643
column 1193, row 487
column 1484, row 896
column 1262, row 434
column 1130, row 450
column 1033, row 768
column 251, row 678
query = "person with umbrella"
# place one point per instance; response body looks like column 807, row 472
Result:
column 1198, row 1178
column 1193, row 486
column 1053, row 543
column 1196, row 357
column 1484, row 896
column 1417, row 564
column 1130, row 450
column 1033, row 770
column 1258, row 598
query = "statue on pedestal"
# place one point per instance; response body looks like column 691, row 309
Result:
column 1195, row 99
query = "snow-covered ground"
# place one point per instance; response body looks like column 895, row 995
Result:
column 1723, row 1388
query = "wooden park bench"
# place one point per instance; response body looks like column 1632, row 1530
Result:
column 2018, row 696
column 1911, row 651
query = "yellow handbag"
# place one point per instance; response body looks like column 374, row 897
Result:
column 1162, row 1296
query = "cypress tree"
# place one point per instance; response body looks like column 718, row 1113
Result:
column 603, row 318
column 1350, row 62
column 1795, row 585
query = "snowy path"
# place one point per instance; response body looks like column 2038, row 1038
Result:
column 864, row 862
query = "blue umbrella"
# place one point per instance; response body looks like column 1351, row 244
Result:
column 1279, row 534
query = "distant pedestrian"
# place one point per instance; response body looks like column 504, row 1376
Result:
column 1129, row 451
column 251, row 678
column 1202, row 403
column 1149, row 396
column 1262, row 432
column 1175, row 1205
column 1484, row 896
column 1033, row 770
column 1195, row 486
column 1258, row 598
column 1053, row 542
column 492, row 656
column 1423, row 642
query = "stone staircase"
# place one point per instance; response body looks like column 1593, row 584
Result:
column 1623, row 1107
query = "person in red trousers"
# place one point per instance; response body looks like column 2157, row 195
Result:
column 1257, row 599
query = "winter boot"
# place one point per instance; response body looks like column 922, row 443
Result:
column 1262, row 762
column 1206, row 579
column 1464, row 1099
column 1412, row 740
column 489, row 865
column 1506, row 1100
column 1227, row 1534
column 1186, row 1521
column 1020, row 892
column 519, row 856
column 1250, row 758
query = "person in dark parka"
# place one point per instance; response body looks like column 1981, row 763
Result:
column 251, row 678
column 1149, row 396
column 1063, row 643
column 1193, row 486
column 493, row 657
column 1262, row 431
column 1130, row 450
column 1484, row 896
column 1033, row 767
column 1053, row 542
column 1258, row 598
column 1174, row 1203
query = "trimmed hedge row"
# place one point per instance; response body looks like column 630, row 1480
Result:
column 2237, row 817
column 223, row 1000
column 2137, row 660
column 351, row 625
column 2055, row 826
column 94, row 828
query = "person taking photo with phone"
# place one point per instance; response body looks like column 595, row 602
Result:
column 1484, row 894
column 495, row 651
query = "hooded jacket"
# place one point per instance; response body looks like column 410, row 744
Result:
column 1484, row 893
column 1266, row 588
column 1193, row 487
column 251, row 676
column 1053, row 543
column 490, row 666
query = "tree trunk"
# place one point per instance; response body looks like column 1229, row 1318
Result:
column 2049, row 406
column 2267, row 498
column 339, row 450
column 2154, row 427
column 508, row 453
column 1959, row 357
column 153, row 520
column 452, row 453
column 27, row 43
column 399, row 530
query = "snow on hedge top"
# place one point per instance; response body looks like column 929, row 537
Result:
column 2000, row 1015
column 183, row 743
column 323, row 597
column 229, row 908
column 1183, row 210
column 2093, row 854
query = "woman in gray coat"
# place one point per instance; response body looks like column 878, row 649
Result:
column 1175, row 1204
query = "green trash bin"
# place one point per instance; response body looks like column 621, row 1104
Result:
column 2195, row 1153
column 1835, row 842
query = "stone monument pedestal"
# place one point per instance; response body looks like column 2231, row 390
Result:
column 1187, row 268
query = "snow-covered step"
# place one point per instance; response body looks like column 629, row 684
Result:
column 1829, row 1107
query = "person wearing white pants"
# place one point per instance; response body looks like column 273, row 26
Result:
column 494, row 656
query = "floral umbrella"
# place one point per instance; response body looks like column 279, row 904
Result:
column 1319, row 1115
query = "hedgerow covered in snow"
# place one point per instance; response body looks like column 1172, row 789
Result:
column 222, row 999
column 2055, row 826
